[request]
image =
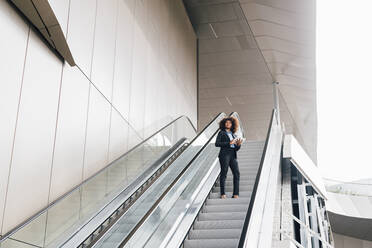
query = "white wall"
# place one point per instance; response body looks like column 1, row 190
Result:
column 342, row 241
column 136, row 71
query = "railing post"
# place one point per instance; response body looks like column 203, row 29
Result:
column 276, row 101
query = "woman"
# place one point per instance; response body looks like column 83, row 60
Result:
column 229, row 144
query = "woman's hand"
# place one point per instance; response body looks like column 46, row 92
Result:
column 233, row 142
column 239, row 142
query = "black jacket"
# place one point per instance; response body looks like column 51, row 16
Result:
column 223, row 141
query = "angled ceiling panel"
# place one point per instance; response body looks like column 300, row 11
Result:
column 41, row 15
column 244, row 46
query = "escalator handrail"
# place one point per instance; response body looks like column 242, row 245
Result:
column 109, row 211
column 198, row 135
column 45, row 209
column 235, row 114
column 255, row 187
column 232, row 114
column 182, row 172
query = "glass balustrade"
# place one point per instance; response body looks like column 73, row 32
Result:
column 71, row 211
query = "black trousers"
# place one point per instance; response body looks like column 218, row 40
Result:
column 226, row 161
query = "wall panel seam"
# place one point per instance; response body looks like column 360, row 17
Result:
column 53, row 152
column 146, row 76
column 56, row 127
column 90, row 83
column 112, row 105
column 112, row 86
column 131, row 76
column 15, row 130
column 94, row 38
column 58, row 108
column 85, row 144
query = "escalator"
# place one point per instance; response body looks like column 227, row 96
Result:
column 220, row 221
column 162, row 193
column 91, row 207
column 192, row 215
column 148, row 212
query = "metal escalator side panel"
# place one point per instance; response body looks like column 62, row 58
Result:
column 181, row 196
column 138, row 213
column 258, row 224
column 119, row 202
column 214, row 222
column 175, row 216
column 187, row 218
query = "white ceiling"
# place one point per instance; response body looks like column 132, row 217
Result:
column 246, row 45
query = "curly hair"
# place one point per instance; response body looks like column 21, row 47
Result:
column 234, row 123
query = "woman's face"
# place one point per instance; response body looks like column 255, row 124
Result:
column 228, row 124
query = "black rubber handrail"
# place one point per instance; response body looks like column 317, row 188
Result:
column 254, row 192
column 26, row 222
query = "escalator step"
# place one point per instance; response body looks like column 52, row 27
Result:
column 225, row 208
column 230, row 188
column 241, row 200
column 219, row 224
column 211, row 243
column 243, row 177
column 217, row 195
column 220, row 221
column 230, row 182
column 215, row 234
column 222, row 216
